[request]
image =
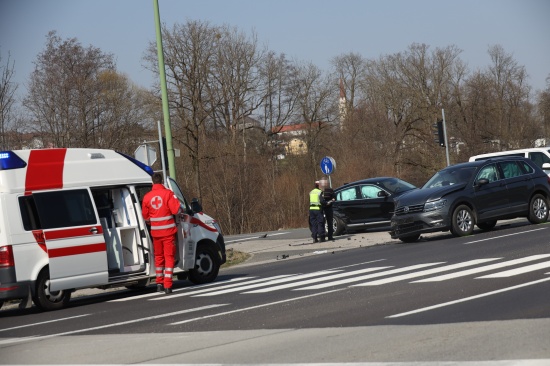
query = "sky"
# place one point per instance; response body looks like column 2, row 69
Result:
column 304, row 30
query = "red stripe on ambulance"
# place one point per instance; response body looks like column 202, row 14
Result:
column 81, row 249
column 45, row 169
column 72, row 233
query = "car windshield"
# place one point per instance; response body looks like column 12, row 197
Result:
column 395, row 185
column 450, row 176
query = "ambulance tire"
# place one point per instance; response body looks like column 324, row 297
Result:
column 1, row 303
column 46, row 299
column 139, row 285
column 207, row 265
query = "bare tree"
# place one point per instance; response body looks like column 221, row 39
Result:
column 351, row 71
column 7, row 98
column 64, row 89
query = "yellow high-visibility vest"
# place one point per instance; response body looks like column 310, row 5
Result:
column 315, row 199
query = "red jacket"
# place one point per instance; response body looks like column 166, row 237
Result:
column 159, row 207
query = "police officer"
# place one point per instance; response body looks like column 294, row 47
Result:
column 316, row 219
column 327, row 197
column 158, row 209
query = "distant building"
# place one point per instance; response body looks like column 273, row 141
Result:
column 293, row 136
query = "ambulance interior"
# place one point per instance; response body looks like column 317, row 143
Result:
column 118, row 218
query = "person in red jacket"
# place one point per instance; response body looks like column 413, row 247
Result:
column 158, row 209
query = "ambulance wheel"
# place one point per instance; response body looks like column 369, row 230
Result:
column 139, row 285
column 1, row 303
column 47, row 299
column 207, row 265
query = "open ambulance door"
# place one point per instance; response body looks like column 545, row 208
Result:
column 73, row 237
column 186, row 246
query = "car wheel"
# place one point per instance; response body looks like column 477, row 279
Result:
column 207, row 265
column 47, row 299
column 462, row 221
column 489, row 225
column 538, row 209
column 410, row 239
column 339, row 226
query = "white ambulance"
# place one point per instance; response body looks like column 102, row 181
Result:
column 71, row 219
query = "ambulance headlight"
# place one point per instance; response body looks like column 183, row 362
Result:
column 216, row 225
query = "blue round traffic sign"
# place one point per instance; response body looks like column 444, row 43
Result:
column 328, row 165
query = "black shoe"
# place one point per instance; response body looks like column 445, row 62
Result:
column 330, row 238
column 322, row 239
column 315, row 240
column 160, row 288
column 167, row 290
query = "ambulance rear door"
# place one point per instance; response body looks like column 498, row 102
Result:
column 73, row 238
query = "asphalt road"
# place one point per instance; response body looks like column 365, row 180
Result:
column 361, row 298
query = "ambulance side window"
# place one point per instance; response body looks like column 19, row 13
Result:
column 50, row 210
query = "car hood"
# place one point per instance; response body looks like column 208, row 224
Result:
column 423, row 195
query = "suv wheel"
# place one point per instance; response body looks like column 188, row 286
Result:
column 410, row 239
column 538, row 209
column 489, row 225
column 462, row 223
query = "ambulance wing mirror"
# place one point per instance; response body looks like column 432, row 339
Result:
column 195, row 205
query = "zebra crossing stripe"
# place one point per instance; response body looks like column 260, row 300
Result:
column 192, row 293
column 263, row 284
column 484, row 268
column 518, row 271
column 425, row 272
column 314, row 280
column 369, row 276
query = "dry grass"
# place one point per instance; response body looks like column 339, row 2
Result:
column 235, row 257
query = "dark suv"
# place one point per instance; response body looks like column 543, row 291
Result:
column 476, row 193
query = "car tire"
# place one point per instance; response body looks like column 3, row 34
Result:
column 207, row 265
column 47, row 299
column 538, row 209
column 339, row 226
column 462, row 223
column 410, row 239
column 489, row 225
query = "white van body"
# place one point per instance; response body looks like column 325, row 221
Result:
column 71, row 219
column 539, row 155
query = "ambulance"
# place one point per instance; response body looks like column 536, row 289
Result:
column 71, row 219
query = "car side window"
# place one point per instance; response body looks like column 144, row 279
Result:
column 510, row 169
column 488, row 172
column 539, row 158
column 347, row 194
column 369, row 191
column 528, row 168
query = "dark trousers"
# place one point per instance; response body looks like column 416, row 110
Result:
column 329, row 216
column 316, row 224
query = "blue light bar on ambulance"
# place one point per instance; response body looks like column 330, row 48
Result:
column 10, row 160
column 145, row 167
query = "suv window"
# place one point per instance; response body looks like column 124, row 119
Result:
column 510, row 169
column 369, row 191
column 50, row 210
column 347, row 194
column 488, row 172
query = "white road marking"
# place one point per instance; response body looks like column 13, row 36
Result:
column 484, row 268
column 315, row 280
column 425, row 272
column 468, row 298
column 263, row 284
column 46, row 322
column 518, row 271
column 16, row 340
column 366, row 277
column 254, row 237
column 254, row 307
column 193, row 293
column 503, row 236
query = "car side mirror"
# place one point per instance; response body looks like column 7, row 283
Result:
column 482, row 182
column 546, row 166
column 195, row 205
column 382, row 194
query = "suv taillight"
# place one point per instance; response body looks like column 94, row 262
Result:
column 6, row 257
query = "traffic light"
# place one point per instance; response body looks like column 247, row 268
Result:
column 438, row 131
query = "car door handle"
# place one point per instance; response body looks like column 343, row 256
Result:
column 93, row 230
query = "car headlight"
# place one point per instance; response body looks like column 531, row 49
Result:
column 216, row 225
column 434, row 205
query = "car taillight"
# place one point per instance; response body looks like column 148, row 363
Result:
column 6, row 257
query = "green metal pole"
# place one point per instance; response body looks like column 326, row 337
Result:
column 165, row 110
